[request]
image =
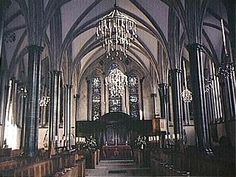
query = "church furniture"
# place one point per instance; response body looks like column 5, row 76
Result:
column 142, row 157
column 47, row 167
column 191, row 162
column 116, row 152
column 92, row 158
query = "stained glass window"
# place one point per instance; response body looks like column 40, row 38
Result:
column 134, row 96
column 96, row 98
column 115, row 102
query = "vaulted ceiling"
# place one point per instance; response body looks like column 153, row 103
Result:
column 74, row 44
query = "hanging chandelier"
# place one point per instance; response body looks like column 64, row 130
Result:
column 44, row 101
column 116, row 31
column 187, row 96
column 226, row 67
column 116, row 82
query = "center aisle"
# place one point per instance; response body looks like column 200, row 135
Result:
column 118, row 168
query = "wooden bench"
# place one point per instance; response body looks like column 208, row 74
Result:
column 45, row 168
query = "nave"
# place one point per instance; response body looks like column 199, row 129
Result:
column 111, row 77
column 118, row 168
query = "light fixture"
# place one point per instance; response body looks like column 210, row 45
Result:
column 44, row 101
column 116, row 82
column 116, row 31
column 225, row 68
column 208, row 83
column 187, row 95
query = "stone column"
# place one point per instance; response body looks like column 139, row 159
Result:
column 176, row 86
column 67, row 121
column 23, row 120
column 32, row 117
column 3, row 7
column 6, row 119
column 164, row 94
column 164, row 101
column 141, row 96
column 199, row 100
column 228, row 85
column 54, row 106
column 88, row 98
column 229, row 96
column 126, row 95
column 76, row 107
column 154, row 95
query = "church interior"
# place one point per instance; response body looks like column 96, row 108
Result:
column 117, row 88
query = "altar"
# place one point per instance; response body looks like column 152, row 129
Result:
column 118, row 152
column 115, row 133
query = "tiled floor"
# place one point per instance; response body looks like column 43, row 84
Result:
column 116, row 168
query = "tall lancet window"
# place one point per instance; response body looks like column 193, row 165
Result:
column 134, row 96
column 96, row 98
column 115, row 100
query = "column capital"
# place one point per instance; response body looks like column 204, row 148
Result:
column 35, row 48
column 68, row 86
column 163, row 85
column 55, row 72
column 195, row 46
column 176, row 70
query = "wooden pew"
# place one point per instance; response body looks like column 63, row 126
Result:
column 45, row 168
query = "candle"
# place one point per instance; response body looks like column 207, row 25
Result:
column 157, row 138
column 77, row 139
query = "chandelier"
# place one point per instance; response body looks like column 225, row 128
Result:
column 116, row 82
column 187, row 95
column 225, row 69
column 44, row 101
column 116, row 31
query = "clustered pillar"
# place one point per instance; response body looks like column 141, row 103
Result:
column 164, row 98
column 54, row 107
column 32, row 117
column 67, row 110
column 176, row 75
column 199, row 100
